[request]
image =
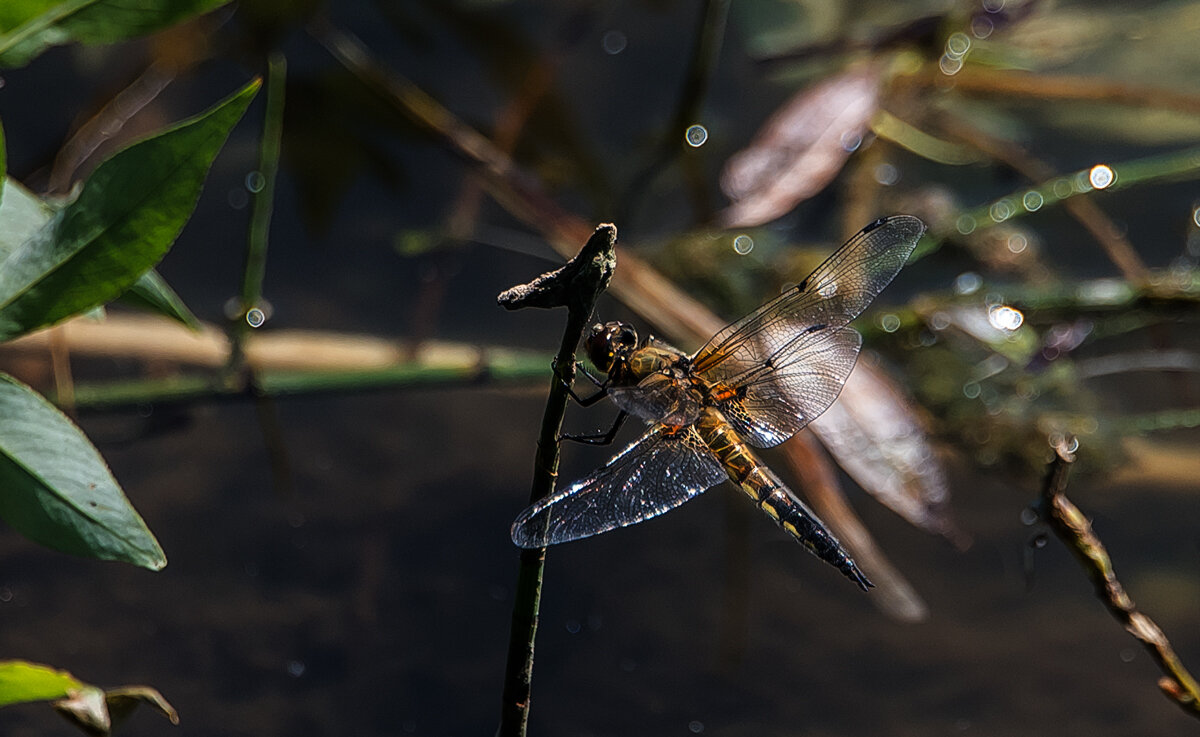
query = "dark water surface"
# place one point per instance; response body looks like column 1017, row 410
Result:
column 374, row 599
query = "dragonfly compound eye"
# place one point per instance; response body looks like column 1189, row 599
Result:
column 608, row 341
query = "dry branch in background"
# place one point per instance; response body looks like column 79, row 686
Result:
column 1075, row 531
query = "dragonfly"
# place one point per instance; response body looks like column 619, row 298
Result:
column 757, row 382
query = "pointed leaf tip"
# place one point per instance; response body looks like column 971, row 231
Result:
column 128, row 214
column 56, row 489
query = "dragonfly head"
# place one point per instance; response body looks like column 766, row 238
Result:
column 609, row 343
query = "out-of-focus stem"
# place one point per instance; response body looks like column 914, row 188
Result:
column 263, row 203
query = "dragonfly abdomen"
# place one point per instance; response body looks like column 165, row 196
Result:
column 769, row 493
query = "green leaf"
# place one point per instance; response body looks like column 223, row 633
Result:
column 127, row 215
column 23, row 214
column 21, row 682
column 3, row 164
column 56, row 489
column 152, row 293
column 29, row 27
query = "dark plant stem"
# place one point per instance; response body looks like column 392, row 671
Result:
column 576, row 286
column 1075, row 531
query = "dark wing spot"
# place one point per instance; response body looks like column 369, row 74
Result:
column 874, row 225
column 803, row 285
column 815, row 328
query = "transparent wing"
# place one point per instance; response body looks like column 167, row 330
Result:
column 659, row 398
column 794, row 352
column 773, row 402
column 656, row 473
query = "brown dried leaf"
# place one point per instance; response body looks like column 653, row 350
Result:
column 122, row 701
column 96, row 711
column 877, row 438
column 894, row 595
column 801, row 149
column 85, row 708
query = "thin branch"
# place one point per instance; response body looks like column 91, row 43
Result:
column 1119, row 363
column 1034, row 86
column 577, row 286
column 1074, row 530
column 107, row 123
column 60, row 361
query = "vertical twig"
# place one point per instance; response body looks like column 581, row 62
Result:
column 710, row 35
column 1074, row 530
column 576, row 286
column 254, row 271
column 60, row 361
column 255, row 266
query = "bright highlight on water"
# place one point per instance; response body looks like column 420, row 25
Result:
column 1003, row 317
column 255, row 317
column 1101, row 176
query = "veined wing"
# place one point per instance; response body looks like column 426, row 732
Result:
column 658, row 472
column 774, row 401
column 659, row 398
column 784, row 364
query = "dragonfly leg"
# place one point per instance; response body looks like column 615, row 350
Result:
column 588, row 401
column 604, row 438
column 591, row 377
column 602, row 386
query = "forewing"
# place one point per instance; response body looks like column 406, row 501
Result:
column 658, row 472
column 807, row 322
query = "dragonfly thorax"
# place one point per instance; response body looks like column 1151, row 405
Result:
column 610, row 343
